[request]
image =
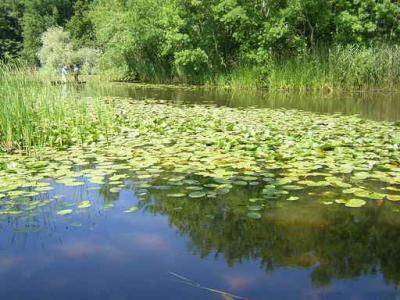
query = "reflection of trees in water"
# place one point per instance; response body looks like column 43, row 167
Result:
column 338, row 243
column 106, row 194
column 372, row 105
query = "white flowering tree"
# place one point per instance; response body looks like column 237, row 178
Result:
column 57, row 50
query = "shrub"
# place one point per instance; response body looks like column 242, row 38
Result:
column 191, row 64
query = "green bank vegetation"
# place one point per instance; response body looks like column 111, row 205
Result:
column 340, row 68
column 274, row 44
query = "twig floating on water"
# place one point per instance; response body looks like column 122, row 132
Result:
column 190, row 282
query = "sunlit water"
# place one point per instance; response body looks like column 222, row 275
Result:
column 300, row 250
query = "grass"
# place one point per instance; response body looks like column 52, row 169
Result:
column 33, row 113
column 347, row 68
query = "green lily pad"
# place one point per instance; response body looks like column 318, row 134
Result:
column 132, row 209
column 393, row 197
column 197, row 194
column 254, row 215
column 355, row 203
column 84, row 204
column 176, row 195
column 240, row 182
column 255, row 207
column 64, row 212
column 108, row 206
column 340, row 201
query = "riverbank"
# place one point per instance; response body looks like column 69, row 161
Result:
column 342, row 68
column 339, row 69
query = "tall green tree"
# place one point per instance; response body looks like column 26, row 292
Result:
column 80, row 26
column 10, row 29
column 188, row 38
column 40, row 15
column 130, row 36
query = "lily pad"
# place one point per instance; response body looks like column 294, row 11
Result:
column 355, row 203
column 64, row 212
column 176, row 195
column 132, row 209
column 393, row 197
column 197, row 194
column 254, row 215
column 255, row 207
column 84, row 204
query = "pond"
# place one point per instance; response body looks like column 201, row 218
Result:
column 211, row 194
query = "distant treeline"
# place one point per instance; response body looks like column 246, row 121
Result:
column 215, row 41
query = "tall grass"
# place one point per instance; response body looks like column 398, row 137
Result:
column 33, row 113
column 340, row 68
column 242, row 77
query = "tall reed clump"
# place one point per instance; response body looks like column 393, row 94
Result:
column 300, row 74
column 338, row 68
column 355, row 67
column 241, row 77
column 36, row 114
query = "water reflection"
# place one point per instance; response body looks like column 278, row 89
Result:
column 372, row 105
column 299, row 250
column 335, row 243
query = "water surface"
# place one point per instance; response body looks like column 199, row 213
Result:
column 381, row 106
column 298, row 250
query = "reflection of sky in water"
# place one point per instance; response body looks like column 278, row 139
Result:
column 116, row 255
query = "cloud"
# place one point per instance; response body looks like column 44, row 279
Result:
column 152, row 242
column 239, row 282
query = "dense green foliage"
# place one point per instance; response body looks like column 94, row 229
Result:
column 234, row 42
column 10, row 28
column 191, row 39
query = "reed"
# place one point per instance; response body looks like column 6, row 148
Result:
column 342, row 68
column 33, row 113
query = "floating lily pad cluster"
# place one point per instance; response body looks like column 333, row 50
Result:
column 203, row 151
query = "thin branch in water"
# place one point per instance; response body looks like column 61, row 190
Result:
column 185, row 280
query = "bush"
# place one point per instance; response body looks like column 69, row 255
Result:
column 191, row 64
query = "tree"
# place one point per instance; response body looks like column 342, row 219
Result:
column 10, row 29
column 129, row 34
column 39, row 15
column 58, row 50
column 80, row 25
column 189, row 39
